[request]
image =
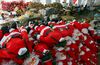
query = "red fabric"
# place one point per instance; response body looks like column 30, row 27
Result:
column 1, row 34
column 39, row 48
column 52, row 38
column 74, row 1
column 14, row 46
column 11, row 51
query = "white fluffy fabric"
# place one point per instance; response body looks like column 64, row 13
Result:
column 60, row 63
column 67, row 49
column 82, row 53
column 22, row 51
column 87, row 49
column 42, row 31
column 38, row 37
column 29, row 60
column 60, row 48
column 70, row 63
column 90, row 28
column 81, row 45
column 11, row 29
column 85, row 31
column 3, row 40
column 60, row 56
column 69, row 43
column 8, row 63
column 61, row 39
column 35, row 27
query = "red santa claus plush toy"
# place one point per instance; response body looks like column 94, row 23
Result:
column 44, row 54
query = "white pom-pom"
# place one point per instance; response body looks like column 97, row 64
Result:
column 38, row 37
column 22, row 51
column 60, row 49
column 61, row 39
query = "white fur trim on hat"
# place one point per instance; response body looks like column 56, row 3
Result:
column 60, row 48
column 23, row 30
column 13, row 33
column 35, row 27
column 42, row 31
column 74, row 20
column 90, row 28
column 59, row 26
column 61, row 21
column 3, row 40
column 61, row 39
column 30, row 32
column 11, row 29
column 38, row 37
column 41, row 25
column 22, row 51
column 85, row 31
column 49, row 22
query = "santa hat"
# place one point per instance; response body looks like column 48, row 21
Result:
column 44, row 29
column 59, row 26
